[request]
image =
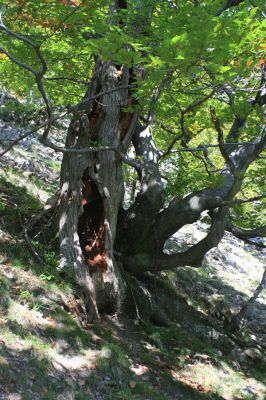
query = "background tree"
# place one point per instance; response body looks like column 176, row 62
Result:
column 181, row 85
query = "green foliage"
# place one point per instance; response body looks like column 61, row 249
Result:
column 202, row 51
column 252, row 215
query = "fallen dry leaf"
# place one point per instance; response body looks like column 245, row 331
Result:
column 139, row 369
column 52, row 321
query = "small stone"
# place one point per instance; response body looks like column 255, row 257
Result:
column 61, row 346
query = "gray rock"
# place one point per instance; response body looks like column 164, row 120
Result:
column 66, row 395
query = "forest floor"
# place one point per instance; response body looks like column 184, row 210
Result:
column 48, row 352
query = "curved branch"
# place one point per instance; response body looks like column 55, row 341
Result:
column 141, row 263
column 222, row 148
column 21, row 137
column 18, row 62
column 242, row 233
column 188, row 209
column 37, row 74
column 240, row 121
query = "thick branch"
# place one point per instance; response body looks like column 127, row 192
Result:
column 244, row 156
column 242, row 233
column 147, row 152
column 151, row 261
column 247, row 234
column 188, row 210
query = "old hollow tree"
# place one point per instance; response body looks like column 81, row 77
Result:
column 173, row 106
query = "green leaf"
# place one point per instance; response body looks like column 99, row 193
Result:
column 178, row 39
column 225, row 68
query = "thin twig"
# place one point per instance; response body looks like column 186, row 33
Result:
column 32, row 248
column 170, row 147
column 221, row 142
column 21, row 137
column 25, row 233
column 156, row 96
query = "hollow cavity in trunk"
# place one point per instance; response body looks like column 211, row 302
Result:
column 91, row 228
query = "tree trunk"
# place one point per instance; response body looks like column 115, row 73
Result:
column 92, row 190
